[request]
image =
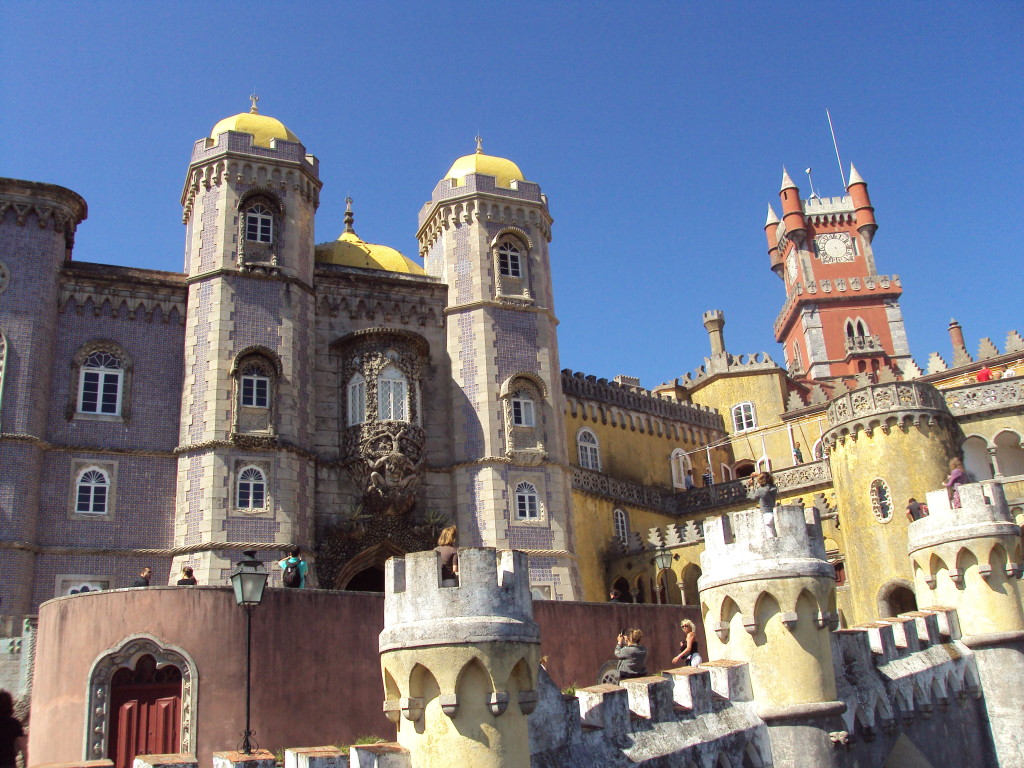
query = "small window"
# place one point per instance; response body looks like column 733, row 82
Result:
column 743, row 417
column 527, row 502
column 588, row 450
column 100, row 386
column 861, row 328
column 356, row 400
column 255, row 386
column 252, row 489
column 509, row 259
column 92, row 492
column 259, row 224
column 620, row 519
column 522, row 412
column 392, row 395
column 881, row 501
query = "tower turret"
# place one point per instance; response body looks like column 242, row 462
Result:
column 768, row 598
column 792, row 209
column 460, row 663
column 485, row 233
column 771, row 231
column 969, row 558
column 249, row 199
column 714, row 322
column 886, row 443
column 863, row 212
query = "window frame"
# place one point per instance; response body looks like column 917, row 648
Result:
column 588, row 452
column 620, row 524
column 77, row 471
column 263, row 218
column 524, row 411
column 679, row 462
column 104, row 375
column 524, row 493
column 386, row 394
column 249, row 469
column 247, row 376
column 91, row 485
column 740, row 414
column 510, row 259
column 355, row 400
column 883, row 509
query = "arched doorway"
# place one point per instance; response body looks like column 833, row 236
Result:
column 622, row 585
column 743, row 468
column 976, row 461
column 896, row 597
column 145, row 704
column 368, row 580
column 691, row 573
column 1009, row 454
column 668, row 588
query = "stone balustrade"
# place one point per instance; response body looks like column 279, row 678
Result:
column 985, row 397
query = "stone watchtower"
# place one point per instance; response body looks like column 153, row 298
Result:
column 970, row 559
column 37, row 232
column 770, row 600
column 245, row 472
column 460, row 663
column 886, row 443
column 485, row 233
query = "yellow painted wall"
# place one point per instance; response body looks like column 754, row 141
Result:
column 911, row 463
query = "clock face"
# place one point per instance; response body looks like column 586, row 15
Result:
column 835, row 247
column 791, row 266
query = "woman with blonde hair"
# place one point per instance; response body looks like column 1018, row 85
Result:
column 762, row 489
column 447, row 544
column 689, row 648
column 957, row 477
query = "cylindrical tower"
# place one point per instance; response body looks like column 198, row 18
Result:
column 768, row 598
column 37, row 232
column 969, row 558
column 886, row 443
column 460, row 663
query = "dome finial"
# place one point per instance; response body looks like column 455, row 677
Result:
column 349, row 217
column 479, row 145
column 254, row 110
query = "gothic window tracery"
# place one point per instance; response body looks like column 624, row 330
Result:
column 881, row 500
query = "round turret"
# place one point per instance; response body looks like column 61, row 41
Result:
column 864, row 213
column 887, row 443
column 792, row 209
column 460, row 660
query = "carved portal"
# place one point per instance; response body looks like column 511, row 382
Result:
column 127, row 655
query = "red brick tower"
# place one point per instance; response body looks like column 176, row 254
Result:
column 841, row 317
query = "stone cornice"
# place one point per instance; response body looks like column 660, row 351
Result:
column 14, row 437
column 132, row 289
column 825, row 290
column 456, row 309
column 272, row 275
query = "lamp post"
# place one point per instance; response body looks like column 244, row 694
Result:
column 248, row 581
column 662, row 562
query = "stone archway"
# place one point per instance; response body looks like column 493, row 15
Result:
column 133, row 648
column 895, row 597
column 362, row 569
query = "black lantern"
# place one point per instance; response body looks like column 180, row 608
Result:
column 249, row 581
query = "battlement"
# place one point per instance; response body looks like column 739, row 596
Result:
column 819, row 206
column 491, row 602
column 728, row 363
column 983, row 513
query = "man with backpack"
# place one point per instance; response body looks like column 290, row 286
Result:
column 294, row 568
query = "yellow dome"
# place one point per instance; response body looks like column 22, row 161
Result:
column 503, row 171
column 349, row 251
column 262, row 127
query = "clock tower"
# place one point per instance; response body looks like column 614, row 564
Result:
column 841, row 317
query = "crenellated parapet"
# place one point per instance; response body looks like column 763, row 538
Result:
column 725, row 362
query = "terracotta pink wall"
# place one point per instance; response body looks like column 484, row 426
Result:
column 316, row 674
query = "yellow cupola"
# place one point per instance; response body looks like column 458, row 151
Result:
column 504, row 171
column 262, row 127
column 350, row 251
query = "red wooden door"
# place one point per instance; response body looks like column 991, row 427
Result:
column 146, row 703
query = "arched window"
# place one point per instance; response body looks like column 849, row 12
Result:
column 99, row 389
column 680, row 464
column 523, row 411
column 259, row 224
column 392, row 395
column 92, row 491
column 527, row 502
column 861, row 328
column 588, row 450
column 620, row 519
column 356, row 399
column 798, row 359
column 252, row 488
column 255, row 385
column 743, row 417
column 509, row 259
column 849, row 330
column 881, row 501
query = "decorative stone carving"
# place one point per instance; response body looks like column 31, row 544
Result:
column 390, row 457
column 985, row 396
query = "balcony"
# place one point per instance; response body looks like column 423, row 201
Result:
column 985, row 397
column 863, row 345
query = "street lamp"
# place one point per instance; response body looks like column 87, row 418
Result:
column 248, row 580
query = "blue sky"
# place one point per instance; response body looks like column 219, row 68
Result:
column 657, row 130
